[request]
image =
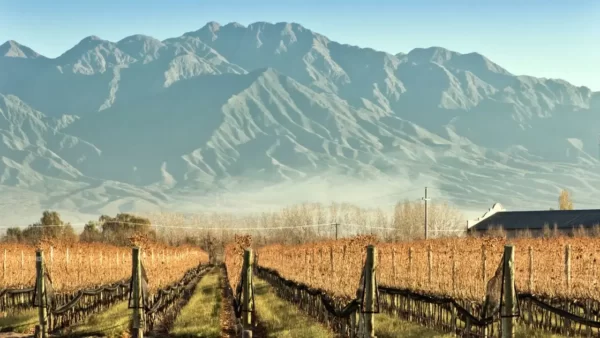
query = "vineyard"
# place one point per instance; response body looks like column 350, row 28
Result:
column 88, row 265
column 71, row 282
column 471, row 287
column 457, row 268
column 453, row 285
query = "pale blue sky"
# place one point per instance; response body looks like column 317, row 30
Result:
column 546, row 38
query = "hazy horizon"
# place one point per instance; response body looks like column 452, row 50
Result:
column 277, row 114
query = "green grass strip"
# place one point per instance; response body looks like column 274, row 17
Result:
column 387, row 326
column 200, row 317
column 282, row 319
column 112, row 323
column 23, row 322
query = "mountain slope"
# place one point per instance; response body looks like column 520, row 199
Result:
column 143, row 123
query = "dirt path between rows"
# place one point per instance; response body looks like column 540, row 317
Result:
column 227, row 319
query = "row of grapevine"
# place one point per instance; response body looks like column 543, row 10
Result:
column 88, row 265
column 72, row 290
column 453, row 285
column 456, row 267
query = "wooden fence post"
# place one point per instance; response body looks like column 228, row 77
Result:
column 331, row 262
column 247, row 294
column 429, row 264
column 510, row 298
column 568, row 265
column 51, row 257
column 530, row 269
column 22, row 265
column 80, row 267
column 4, row 267
column 568, row 278
column 138, row 325
column 484, row 280
column 410, row 261
column 370, row 292
column 353, row 326
column 41, row 294
column 306, row 270
column 312, row 265
column 454, row 272
column 394, row 266
column 483, row 266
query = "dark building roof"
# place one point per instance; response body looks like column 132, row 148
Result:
column 517, row 220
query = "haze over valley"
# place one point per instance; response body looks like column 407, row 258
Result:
column 246, row 118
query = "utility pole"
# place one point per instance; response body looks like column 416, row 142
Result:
column 426, row 214
column 336, row 230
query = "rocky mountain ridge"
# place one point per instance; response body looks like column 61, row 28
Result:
column 141, row 123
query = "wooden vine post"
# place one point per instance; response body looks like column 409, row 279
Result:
column 138, row 323
column 509, row 303
column 429, row 264
column 483, row 266
column 42, row 329
column 568, row 265
column 410, row 264
column 51, row 257
column 568, row 276
column 394, row 266
column 370, row 292
column 530, row 269
column 332, row 267
column 247, row 294
column 4, row 267
column 484, row 280
column 22, row 264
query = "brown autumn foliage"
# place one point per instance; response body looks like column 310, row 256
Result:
column 92, row 264
column 335, row 266
column 234, row 258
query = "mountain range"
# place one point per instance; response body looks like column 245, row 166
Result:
column 270, row 114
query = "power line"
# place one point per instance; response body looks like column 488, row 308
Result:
column 42, row 226
column 395, row 228
column 246, row 229
column 190, row 226
column 200, row 228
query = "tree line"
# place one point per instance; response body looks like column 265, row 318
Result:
column 114, row 230
column 407, row 219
